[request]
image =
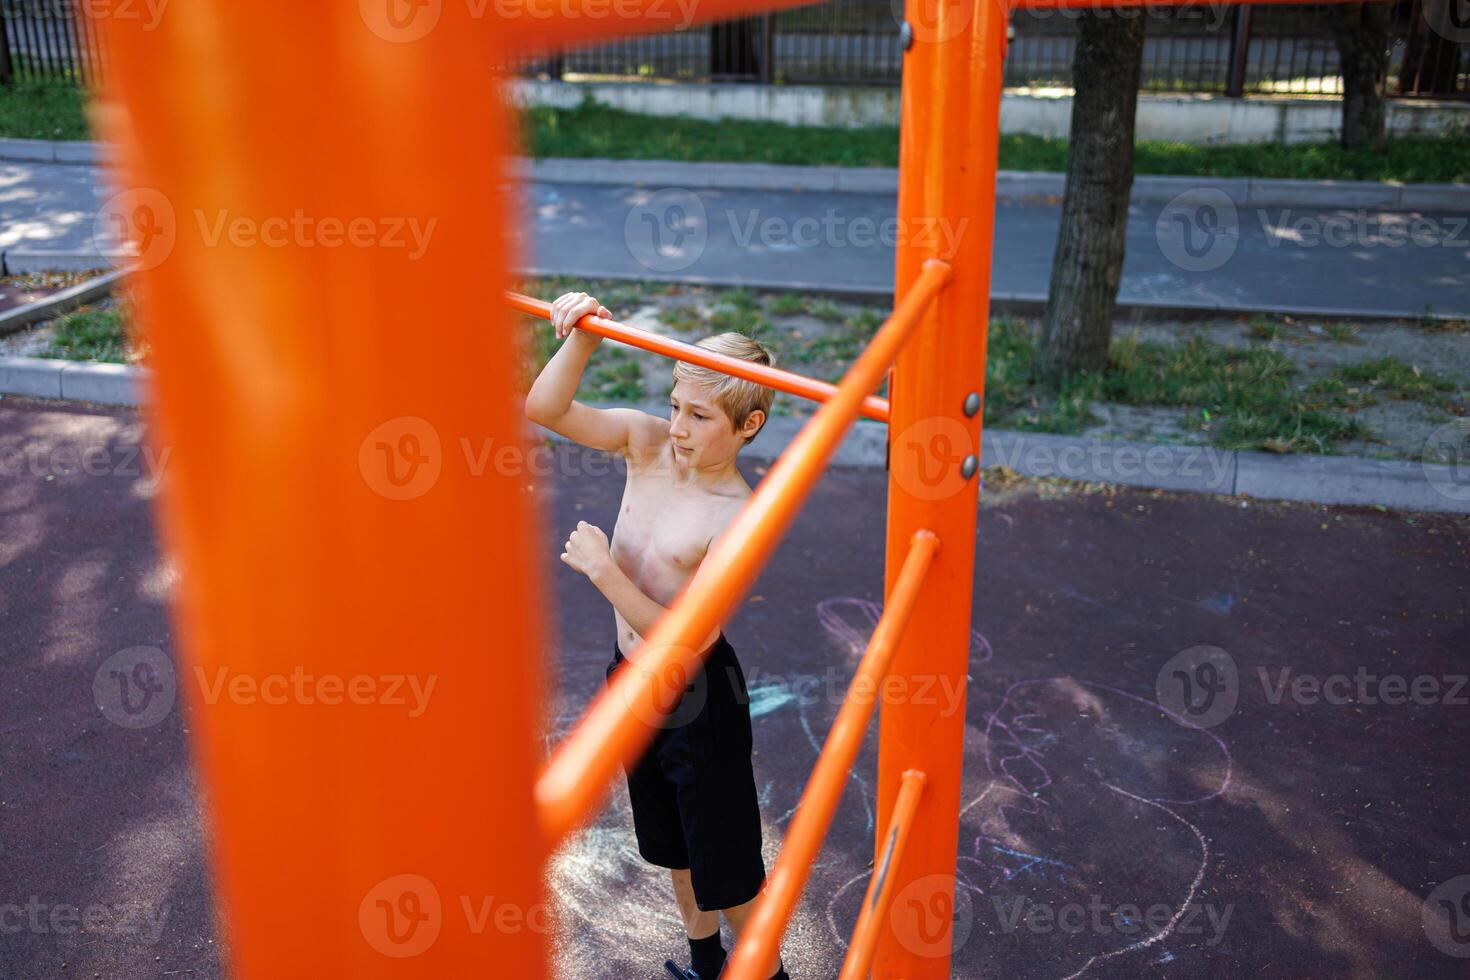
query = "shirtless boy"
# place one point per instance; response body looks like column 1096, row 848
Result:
column 693, row 793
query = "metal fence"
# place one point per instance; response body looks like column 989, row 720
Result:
column 48, row 39
column 1196, row 48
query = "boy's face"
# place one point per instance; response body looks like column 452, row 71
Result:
column 702, row 433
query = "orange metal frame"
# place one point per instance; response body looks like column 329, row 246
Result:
column 289, row 372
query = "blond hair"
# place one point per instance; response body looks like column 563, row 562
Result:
column 736, row 397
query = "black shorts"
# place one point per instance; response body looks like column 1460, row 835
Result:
column 693, row 791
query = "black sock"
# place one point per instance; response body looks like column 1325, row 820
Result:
column 781, row 973
column 707, row 956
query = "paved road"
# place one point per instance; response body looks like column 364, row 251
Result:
column 1213, row 255
column 1292, row 837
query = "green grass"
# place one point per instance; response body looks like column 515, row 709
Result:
column 1392, row 377
column 91, row 334
column 43, row 110
column 1241, row 398
column 596, row 131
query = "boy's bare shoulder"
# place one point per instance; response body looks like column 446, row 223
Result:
column 648, row 435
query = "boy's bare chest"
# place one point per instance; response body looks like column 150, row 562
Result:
column 662, row 534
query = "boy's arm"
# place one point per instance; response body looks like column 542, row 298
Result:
column 550, row 402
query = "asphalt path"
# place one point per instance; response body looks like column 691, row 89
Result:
column 1184, row 756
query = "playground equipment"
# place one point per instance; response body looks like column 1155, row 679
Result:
column 315, row 390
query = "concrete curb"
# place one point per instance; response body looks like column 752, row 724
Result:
column 1243, row 191
column 1349, row 480
column 88, row 381
column 58, row 303
column 1009, row 304
column 1010, row 184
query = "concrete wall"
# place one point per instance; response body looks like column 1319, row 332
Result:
column 1187, row 119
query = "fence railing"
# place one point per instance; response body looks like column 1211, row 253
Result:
column 1216, row 48
column 48, row 39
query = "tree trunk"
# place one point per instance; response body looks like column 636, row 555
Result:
column 1361, row 32
column 1088, row 263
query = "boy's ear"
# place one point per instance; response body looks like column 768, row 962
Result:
column 753, row 423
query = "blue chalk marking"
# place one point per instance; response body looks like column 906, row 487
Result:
column 768, row 698
column 1031, row 861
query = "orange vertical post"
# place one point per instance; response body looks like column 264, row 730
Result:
column 313, row 188
column 946, row 208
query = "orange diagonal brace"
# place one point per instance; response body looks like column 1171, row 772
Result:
column 762, row 935
column 880, row 889
column 621, row 722
column 873, row 407
column 1103, row 4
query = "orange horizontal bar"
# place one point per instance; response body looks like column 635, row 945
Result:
column 761, row 937
column 873, row 407
column 621, row 722
column 880, row 891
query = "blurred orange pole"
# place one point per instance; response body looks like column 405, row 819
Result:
column 359, row 613
column 881, row 888
column 762, row 935
column 873, row 407
column 622, row 721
